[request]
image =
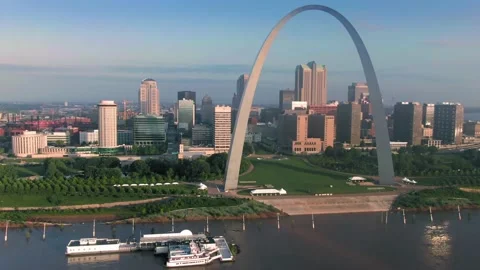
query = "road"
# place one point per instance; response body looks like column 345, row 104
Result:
column 459, row 148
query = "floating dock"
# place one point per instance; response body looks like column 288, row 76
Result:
column 224, row 250
column 93, row 249
column 150, row 241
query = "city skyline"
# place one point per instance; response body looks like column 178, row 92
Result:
column 112, row 68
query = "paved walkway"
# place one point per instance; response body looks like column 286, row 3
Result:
column 250, row 169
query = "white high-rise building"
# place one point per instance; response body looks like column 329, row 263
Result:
column 107, row 123
column 89, row 136
column 222, row 119
column 28, row 143
column 149, row 97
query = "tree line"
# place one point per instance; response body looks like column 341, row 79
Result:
column 97, row 177
column 408, row 161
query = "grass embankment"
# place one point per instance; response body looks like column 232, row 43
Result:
column 187, row 208
column 444, row 198
column 297, row 177
column 449, row 180
column 27, row 171
column 37, row 200
column 52, row 199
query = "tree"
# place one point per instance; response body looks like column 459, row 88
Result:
column 139, row 167
column 247, row 149
column 217, row 163
column 200, row 169
column 72, row 190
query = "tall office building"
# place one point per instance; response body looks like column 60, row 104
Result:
column 125, row 137
column 222, row 128
column 448, row 123
column 286, row 97
column 149, row 97
column 356, row 91
column 107, row 124
column 207, row 110
column 237, row 96
column 349, row 117
column 471, row 128
column 187, row 95
column 185, row 115
column 149, row 130
column 407, row 123
column 428, row 115
column 322, row 126
column 293, row 134
column 202, row 135
column 311, row 84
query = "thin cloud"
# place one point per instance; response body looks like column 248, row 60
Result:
column 452, row 43
column 365, row 25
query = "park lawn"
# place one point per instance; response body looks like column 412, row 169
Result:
column 37, row 200
column 26, row 171
column 300, row 178
column 446, row 180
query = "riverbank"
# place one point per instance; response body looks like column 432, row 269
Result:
column 300, row 205
column 68, row 220
column 445, row 199
column 177, row 208
column 164, row 219
column 31, row 224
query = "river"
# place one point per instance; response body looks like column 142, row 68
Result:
column 345, row 241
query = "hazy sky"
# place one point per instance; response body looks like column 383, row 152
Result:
column 89, row 50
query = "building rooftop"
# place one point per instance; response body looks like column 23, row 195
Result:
column 107, row 102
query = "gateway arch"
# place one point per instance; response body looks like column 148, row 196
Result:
column 384, row 155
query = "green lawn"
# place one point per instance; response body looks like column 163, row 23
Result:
column 26, row 171
column 15, row 200
column 297, row 177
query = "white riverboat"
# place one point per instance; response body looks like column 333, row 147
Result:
column 191, row 254
column 97, row 246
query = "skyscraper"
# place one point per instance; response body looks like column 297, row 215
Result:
column 222, row 128
column 407, row 123
column 187, row 95
column 322, row 126
column 207, row 110
column 285, row 99
column 202, row 135
column 428, row 115
column 448, row 123
column 356, row 91
column 311, row 83
column 293, row 134
column 185, row 115
column 149, row 130
column 149, row 97
column 241, row 84
column 107, row 124
column 348, row 121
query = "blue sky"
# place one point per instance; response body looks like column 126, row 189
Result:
column 90, row 50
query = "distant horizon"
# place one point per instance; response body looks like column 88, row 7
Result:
column 88, row 50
